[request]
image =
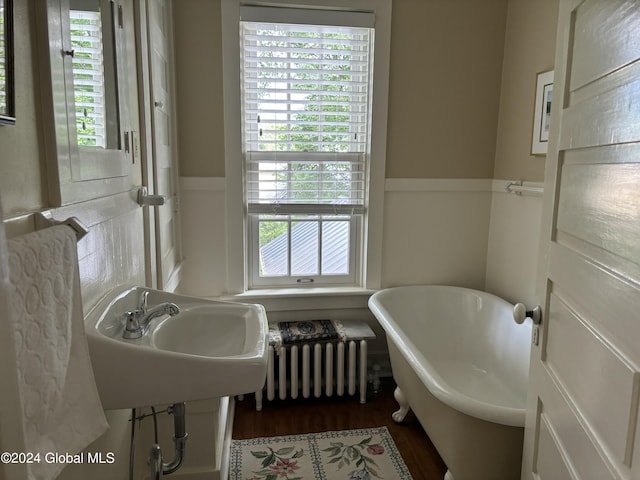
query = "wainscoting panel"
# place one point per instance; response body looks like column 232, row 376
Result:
column 512, row 255
column 467, row 232
column 203, row 236
column 436, row 231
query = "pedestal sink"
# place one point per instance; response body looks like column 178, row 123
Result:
column 210, row 349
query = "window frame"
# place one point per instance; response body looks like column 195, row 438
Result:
column 352, row 213
column 368, row 275
column 81, row 173
column 304, row 280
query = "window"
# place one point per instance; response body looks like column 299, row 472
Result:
column 305, row 165
column 88, row 77
column 89, row 97
column 306, row 110
column 94, row 73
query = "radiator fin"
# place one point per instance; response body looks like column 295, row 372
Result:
column 328, row 367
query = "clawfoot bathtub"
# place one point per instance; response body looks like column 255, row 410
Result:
column 461, row 364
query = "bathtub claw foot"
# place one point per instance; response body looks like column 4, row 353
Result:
column 398, row 416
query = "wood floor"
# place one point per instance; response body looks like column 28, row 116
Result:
column 326, row 414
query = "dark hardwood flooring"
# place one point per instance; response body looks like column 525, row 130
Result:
column 290, row 417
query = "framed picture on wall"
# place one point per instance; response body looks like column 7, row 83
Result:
column 542, row 113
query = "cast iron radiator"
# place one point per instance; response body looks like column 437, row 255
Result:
column 328, row 363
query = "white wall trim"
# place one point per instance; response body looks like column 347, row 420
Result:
column 218, row 184
column 234, row 216
column 438, row 185
column 208, row 184
column 305, row 299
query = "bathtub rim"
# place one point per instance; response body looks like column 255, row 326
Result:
column 511, row 416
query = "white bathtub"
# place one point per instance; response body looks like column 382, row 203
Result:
column 462, row 364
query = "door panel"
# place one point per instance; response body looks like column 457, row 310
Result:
column 602, row 43
column 564, row 448
column 585, row 374
column 598, row 205
column 607, row 117
column 589, row 282
column 588, row 379
column 550, row 459
column 168, row 247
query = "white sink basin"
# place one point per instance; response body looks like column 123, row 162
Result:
column 230, row 335
column 210, row 349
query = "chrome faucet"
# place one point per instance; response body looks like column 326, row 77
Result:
column 137, row 321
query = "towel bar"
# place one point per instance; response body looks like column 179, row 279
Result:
column 45, row 219
column 519, row 188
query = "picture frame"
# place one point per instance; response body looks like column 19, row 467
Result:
column 542, row 113
column 7, row 79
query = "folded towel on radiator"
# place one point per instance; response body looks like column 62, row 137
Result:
column 309, row 331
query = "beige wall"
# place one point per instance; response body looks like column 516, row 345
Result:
column 529, row 49
column 446, row 61
column 446, row 132
column 515, row 220
column 198, row 61
column 22, row 178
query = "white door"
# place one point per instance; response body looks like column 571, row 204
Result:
column 163, row 157
column 582, row 417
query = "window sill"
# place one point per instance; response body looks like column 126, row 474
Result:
column 312, row 298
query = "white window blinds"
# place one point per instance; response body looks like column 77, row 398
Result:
column 306, row 116
column 88, row 77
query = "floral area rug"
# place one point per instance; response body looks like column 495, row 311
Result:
column 365, row 454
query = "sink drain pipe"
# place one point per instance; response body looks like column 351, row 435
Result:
column 158, row 468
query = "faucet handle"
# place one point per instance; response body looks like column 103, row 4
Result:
column 132, row 324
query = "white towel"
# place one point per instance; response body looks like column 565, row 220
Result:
column 61, row 410
column 11, row 435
